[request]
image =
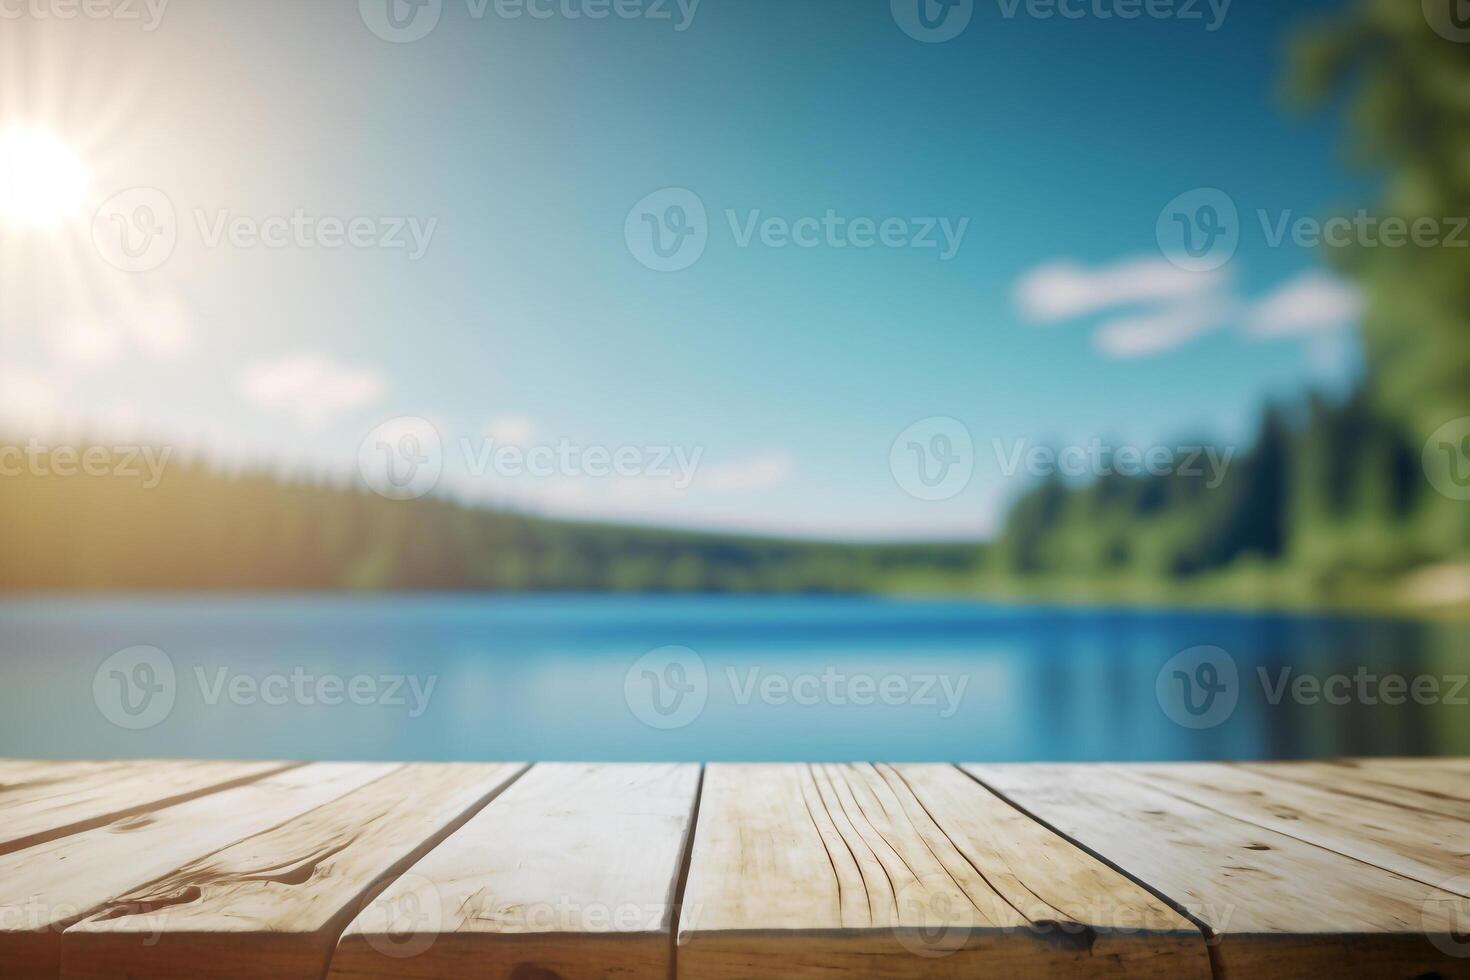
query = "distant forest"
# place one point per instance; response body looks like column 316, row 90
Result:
column 1330, row 505
column 1333, row 502
column 204, row 529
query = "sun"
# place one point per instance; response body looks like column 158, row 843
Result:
column 42, row 182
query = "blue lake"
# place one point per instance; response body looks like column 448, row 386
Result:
column 639, row 678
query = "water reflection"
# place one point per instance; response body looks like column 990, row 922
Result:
column 773, row 678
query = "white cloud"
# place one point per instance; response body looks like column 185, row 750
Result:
column 1063, row 289
column 746, row 475
column 311, row 388
column 1162, row 330
column 514, row 430
column 1311, row 302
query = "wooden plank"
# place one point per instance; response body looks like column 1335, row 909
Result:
column 1276, row 906
column 274, row 904
column 1442, row 789
column 41, row 808
column 570, row 874
column 44, row 889
column 1417, row 844
column 15, row 773
column 905, row 871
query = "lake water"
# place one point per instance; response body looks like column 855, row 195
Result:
column 674, row 678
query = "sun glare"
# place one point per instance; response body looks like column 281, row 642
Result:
column 42, row 182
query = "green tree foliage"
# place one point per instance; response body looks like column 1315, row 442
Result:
column 204, row 529
column 1330, row 500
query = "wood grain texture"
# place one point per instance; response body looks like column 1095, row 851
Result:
column 569, row 875
column 274, row 904
column 43, row 803
column 1415, row 843
column 1278, row 906
column 1431, row 785
column 905, row 871
column 45, row 888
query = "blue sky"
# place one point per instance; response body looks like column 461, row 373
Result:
column 521, row 144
